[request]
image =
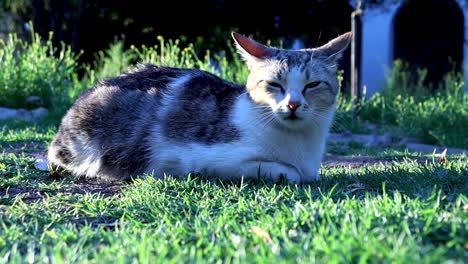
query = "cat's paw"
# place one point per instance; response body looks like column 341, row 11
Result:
column 272, row 171
column 290, row 177
column 311, row 174
column 310, row 179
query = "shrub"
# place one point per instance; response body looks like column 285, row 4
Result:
column 436, row 117
column 170, row 53
column 115, row 60
column 36, row 68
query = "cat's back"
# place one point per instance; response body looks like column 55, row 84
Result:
column 122, row 103
column 156, row 82
column 149, row 89
column 144, row 78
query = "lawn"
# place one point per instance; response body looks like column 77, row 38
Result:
column 390, row 206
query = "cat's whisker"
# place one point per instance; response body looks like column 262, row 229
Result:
column 316, row 44
column 268, row 122
column 265, row 120
column 341, row 124
column 241, row 94
column 315, row 114
column 262, row 107
column 261, row 117
column 337, row 121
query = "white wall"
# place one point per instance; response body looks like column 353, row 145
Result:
column 465, row 46
column 377, row 47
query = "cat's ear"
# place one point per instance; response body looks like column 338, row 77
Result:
column 249, row 48
column 334, row 49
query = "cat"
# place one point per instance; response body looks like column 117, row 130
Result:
column 173, row 121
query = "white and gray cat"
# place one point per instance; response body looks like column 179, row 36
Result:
column 174, row 121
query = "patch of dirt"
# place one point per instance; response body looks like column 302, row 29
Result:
column 32, row 194
column 388, row 140
column 103, row 188
column 331, row 161
column 30, row 149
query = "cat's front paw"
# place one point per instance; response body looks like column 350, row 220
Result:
column 290, row 177
column 272, row 171
column 311, row 175
column 310, row 179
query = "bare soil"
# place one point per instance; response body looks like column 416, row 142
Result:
column 32, row 194
column 30, row 149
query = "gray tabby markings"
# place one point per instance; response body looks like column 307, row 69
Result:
column 202, row 111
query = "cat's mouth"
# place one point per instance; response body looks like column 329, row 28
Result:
column 292, row 117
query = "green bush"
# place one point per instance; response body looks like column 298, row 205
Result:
column 439, row 119
column 36, row 68
column 170, row 53
column 113, row 61
column 116, row 60
column 435, row 117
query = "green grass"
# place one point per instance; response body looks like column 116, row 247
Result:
column 399, row 212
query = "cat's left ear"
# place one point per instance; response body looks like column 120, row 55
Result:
column 334, row 49
column 250, row 49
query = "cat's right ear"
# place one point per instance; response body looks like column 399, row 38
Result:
column 250, row 49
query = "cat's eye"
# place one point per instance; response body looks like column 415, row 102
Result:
column 276, row 85
column 312, row 85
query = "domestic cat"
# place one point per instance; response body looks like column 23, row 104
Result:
column 173, row 121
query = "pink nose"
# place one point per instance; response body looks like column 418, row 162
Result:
column 293, row 105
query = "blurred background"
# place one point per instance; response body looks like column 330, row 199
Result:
column 91, row 25
column 427, row 34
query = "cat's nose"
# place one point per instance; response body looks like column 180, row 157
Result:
column 293, row 105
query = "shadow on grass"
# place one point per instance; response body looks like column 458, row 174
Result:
column 343, row 177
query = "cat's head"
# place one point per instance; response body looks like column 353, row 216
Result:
column 294, row 88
